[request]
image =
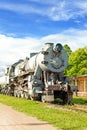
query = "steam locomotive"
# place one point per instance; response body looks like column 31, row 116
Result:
column 37, row 78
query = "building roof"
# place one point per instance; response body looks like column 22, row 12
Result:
column 82, row 75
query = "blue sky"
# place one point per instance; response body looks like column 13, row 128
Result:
column 38, row 18
column 25, row 25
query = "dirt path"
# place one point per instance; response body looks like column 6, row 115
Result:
column 14, row 120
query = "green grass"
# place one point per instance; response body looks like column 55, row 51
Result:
column 80, row 100
column 66, row 120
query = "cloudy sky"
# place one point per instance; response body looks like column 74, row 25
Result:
column 25, row 25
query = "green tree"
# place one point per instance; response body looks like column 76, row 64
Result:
column 67, row 49
column 78, row 62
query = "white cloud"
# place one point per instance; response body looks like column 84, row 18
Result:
column 74, row 38
column 12, row 49
column 55, row 10
column 82, row 4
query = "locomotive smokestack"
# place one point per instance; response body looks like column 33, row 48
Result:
column 49, row 44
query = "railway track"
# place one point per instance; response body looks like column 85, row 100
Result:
column 75, row 107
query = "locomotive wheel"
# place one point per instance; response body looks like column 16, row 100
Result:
column 65, row 98
column 38, row 98
column 18, row 95
column 32, row 98
column 43, row 99
column 15, row 94
column 22, row 95
column 26, row 95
